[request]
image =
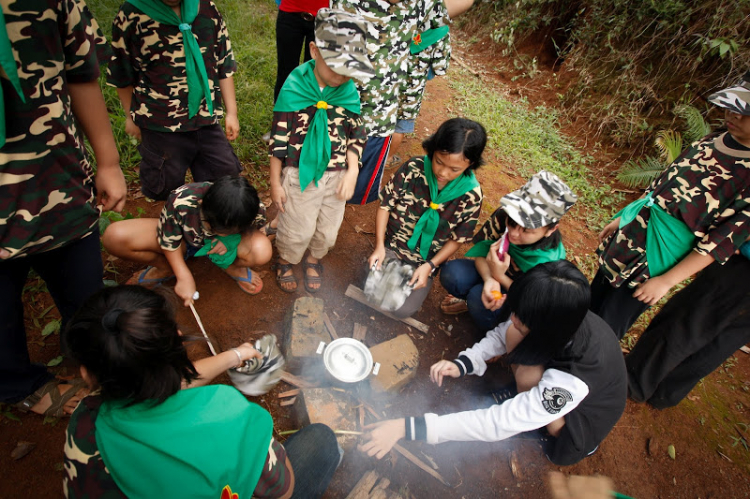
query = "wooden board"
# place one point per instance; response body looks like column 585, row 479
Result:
column 360, row 332
column 329, row 327
column 357, row 294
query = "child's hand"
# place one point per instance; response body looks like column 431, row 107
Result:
column 382, row 436
column 609, row 229
column 498, row 267
column 278, row 196
column 421, row 276
column 111, row 188
column 218, row 248
column 377, row 256
column 231, row 126
column 652, row 291
column 490, row 292
column 348, row 183
column 185, row 289
column 132, row 129
column 440, row 370
column 248, row 352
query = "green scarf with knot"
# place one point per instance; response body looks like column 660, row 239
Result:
column 525, row 257
column 8, row 64
column 231, row 242
column 301, row 90
column 668, row 239
column 427, row 224
column 427, row 38
column 195, row 67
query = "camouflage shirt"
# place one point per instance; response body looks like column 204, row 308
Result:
column 407, row 196
column 437, row 57
column 46, row 183
column 289, row 129
column 150, row 57
column 182, row 218
column 390, row 30
column 707, row 188
column 86, row 474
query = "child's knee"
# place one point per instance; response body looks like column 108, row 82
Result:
column 528, row 377
column 255, row 249
column 115, row 236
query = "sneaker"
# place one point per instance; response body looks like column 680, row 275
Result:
column 453, row 306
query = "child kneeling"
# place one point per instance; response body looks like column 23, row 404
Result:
column 223, row 215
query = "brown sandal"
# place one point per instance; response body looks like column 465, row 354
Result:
column 312, row 279
column 453, row 306
column 281, row 269
column 58, row 400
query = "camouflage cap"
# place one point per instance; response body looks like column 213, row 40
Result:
column 341, row 38
column 542, row 201
column 736, row 99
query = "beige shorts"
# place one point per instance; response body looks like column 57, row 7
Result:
column 311, row 219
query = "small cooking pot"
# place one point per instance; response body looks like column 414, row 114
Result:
column 348, row 360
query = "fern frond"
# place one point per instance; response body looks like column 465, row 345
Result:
column 697, row 126
column 640, row 173
column 669, row 144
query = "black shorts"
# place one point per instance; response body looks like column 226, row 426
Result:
column 167, row 156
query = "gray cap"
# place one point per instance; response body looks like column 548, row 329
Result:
column 341, row 38
column 542, row 201
column 736, row 99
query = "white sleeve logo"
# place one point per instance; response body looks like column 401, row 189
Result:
column 555, row 399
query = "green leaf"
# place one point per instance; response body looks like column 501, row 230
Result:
column 11, row 416
column 45, row 311
column 671, row 451
column 723, row 49
column 50, row 420
column 56, row 361
column 109, row 283
column 51, row 328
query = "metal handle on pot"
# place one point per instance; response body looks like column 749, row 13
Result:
column 321, row 347
column 376, row 369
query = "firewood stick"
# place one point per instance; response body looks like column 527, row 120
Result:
column 296, row 381
column 289, row 393
column 288, row 402
column 329, row 326
column 414, row 459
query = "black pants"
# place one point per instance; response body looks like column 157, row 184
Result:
column 693, row 334
column 293, row 35
column 616, row 306
column 72, row 273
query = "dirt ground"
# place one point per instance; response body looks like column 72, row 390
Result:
column 708, row 430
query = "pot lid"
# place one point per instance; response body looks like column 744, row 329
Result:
column 348, row 360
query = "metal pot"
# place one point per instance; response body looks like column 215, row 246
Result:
column 348, row 360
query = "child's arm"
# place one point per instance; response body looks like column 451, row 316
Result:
column 423, row 272
column 231, row 123
column 210, row 367
column 185, row 287
column 654, row 289
column 457, row 7
column 126, row 97
column 89, row 108
column 345, row 190
column 278, row 194
column 381, row 223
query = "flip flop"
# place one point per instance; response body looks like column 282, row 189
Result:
column 248, row 279
column 142, row 281
column 312, row 279
column 57, row 407
column 281, row 269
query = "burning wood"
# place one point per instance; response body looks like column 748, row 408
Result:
column 297, row 381
column 288, row 393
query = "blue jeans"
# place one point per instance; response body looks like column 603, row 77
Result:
column 461, row 279
column 315, row 454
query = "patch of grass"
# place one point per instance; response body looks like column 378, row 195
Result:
column 531, row 139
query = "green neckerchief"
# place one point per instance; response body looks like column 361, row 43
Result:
column 8, row 64
column 428, row 223
column 225, row 260
column 301, row 90
column 524, row 256
column 195, row 67
column 427, row 38
column 668, row 239
column 192, row 445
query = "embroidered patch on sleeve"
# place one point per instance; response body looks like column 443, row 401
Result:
column 555, row 399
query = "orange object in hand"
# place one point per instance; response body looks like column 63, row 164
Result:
column 497, row 294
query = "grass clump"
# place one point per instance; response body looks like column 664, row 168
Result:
column 531, row 140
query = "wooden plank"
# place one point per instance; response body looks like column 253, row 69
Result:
column 378, row 494
column 288, row 393
column 360, row 332
column 382, row 484
column 414, row 459
column 745, row 349
column 297, row 381
column 364, row 485
column 357, row 294
column 288, row 401
column 329, row 326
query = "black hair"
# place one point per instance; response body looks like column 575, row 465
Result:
column 459, row 135
column 552, row 299
column 547, row 242
column 230, row 205
column 127, row 339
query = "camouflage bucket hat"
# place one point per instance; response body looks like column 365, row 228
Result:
column 341, row 38
column 736, row 99
column 541, row 202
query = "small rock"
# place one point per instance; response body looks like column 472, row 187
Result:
column 399, row 359
column 22, row 448
column 304, row 332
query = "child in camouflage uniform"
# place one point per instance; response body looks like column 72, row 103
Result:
column 218, row 217
column 172, row 67
column 531, row 216
column 50, row 198
column 431, row 206
column 317, row 138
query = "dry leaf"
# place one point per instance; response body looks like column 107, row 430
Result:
column 671, row 451
column 22, row 448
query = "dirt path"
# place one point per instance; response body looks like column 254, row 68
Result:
column 634, row 455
